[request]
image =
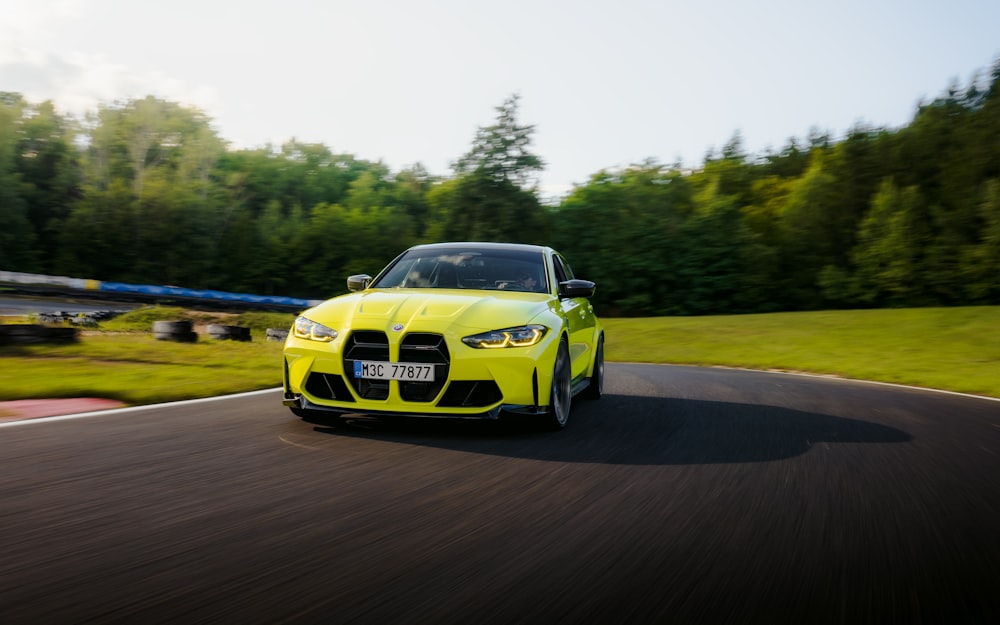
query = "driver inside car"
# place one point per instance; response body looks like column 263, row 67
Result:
column 527, row 282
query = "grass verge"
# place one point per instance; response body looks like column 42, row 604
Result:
column 138, row 369
column 121, row 360
column 954, row 349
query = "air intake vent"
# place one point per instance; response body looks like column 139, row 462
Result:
column 328, row 386
column 471, row 394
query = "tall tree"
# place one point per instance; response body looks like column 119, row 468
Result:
column 490, row 198
column 49, row 175
column 409, row 192
column 809, row 233
column 634, row 262
column 149, row 183
column 17, row 251
column 891, row 247
column 981, row 260
column 478, row 207
column 500, row 152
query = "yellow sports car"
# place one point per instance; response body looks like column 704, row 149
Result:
column 460, row 330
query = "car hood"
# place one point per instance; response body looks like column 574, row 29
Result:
column 430, row 309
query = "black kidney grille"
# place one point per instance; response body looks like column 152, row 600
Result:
column 425, row 348
column 366, row 345
column 418, row 347
column 372, row 389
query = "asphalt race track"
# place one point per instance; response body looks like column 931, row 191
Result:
column 685, row 495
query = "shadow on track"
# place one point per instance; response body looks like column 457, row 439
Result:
column 633, row 430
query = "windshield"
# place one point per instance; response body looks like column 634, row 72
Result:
column 491, row 269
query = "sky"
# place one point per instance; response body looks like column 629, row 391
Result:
column 605, row 83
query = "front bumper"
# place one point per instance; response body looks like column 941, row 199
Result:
column 477, row 383
column 302, row 403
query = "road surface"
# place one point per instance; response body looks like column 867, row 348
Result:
column 686, row 495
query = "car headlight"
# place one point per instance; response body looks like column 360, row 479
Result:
column 308, row 329
column 523, row 336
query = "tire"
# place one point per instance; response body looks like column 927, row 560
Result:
column 561, row 394
column 228, row 333
column 596, row 388
column 31, row 334
column 172, row 327
column 178, row 337
column 178, row 331
column 276, row 334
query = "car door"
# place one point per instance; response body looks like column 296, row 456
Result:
column 579, row 314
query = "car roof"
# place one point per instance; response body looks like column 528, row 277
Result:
column 466, row 245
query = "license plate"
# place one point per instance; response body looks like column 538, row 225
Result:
column 403, row 371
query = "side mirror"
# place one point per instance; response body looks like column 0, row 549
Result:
column 358, row 282
column 577, row 288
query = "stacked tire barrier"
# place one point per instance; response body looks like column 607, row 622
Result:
column 183, row 332
column 35, row 334
column 177, row 331
column 86, row 319
column 229, row 333
column 277, row 334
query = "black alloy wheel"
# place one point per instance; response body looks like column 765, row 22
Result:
column 561, row 396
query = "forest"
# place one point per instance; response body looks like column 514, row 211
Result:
column 146, row 191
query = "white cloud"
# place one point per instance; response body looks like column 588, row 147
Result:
column 408, row 82
column 32, row 18
column 79, row 82
column 76, row 81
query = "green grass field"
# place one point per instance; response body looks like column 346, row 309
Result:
column 954, row 349
column 138, row 369
column 121, row 360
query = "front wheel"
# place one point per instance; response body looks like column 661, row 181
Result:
column 561, row 395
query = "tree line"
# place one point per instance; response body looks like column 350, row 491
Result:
column 146, row 191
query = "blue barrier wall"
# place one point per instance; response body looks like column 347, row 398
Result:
column 149, row 290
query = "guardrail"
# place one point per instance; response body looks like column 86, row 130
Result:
column 149, row 292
